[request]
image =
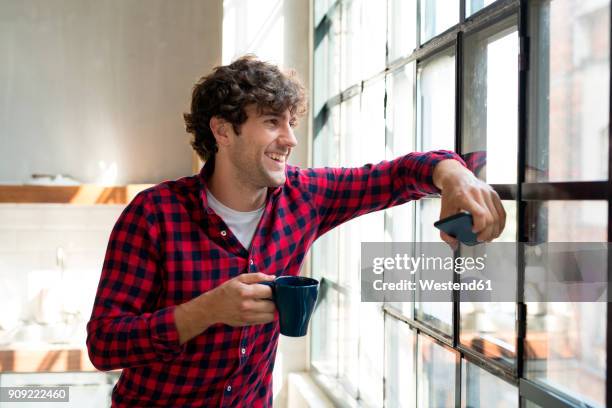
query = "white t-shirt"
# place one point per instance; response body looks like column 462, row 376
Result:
column 242, row 224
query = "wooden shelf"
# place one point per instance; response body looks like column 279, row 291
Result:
column 82, row 194
column 32, row 361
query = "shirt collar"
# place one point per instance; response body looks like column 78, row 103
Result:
column 208, row 169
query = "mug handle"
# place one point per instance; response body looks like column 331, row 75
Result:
column 322, row 293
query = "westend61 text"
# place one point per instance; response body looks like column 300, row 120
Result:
column 432, row 285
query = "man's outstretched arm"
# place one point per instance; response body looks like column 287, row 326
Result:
column 340, row 194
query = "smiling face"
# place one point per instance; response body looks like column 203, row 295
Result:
column 259, row 153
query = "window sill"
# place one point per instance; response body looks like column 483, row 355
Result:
column 304, row 392
column 332, row 391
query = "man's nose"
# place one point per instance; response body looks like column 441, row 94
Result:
column 288, row 137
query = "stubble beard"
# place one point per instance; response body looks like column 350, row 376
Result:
column 253, row 172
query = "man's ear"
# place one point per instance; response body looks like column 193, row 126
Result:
column 221, row 129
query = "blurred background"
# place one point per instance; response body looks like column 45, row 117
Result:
column 91, row 108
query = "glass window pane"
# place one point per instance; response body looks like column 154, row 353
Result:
column 399, row 227
column 436, row 314
column 374, row 38
column 435, row 375
column 490, row 104
column 348, row 372
column 351, row 43
column 567, row 221
column 436, row 102
column 320, row 8
column 326, row 143
column 400, row 112
column 350, row 133
column 324, row 338
column 372, row 151
column 325, row 256
column 350, row 156
column 402, row 31
column 326, row 146
column 480, row 388
column 371, row 353
column 489, row 328
column 437, row 16
column 428, row 212
column 400, row 141
column 472, row 6
column 400, row 382
column 373, row 122
column 371, row 323
column 570, row 67
column 348, row 254
column 399, row 220
column 509, row 233
column 566, row 342
column 326, row 64
column 566, row 348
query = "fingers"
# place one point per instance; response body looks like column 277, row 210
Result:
column 251, row 287
column 256, row 306
column 498, row 222
column 488, row 214
column 256, row 311
column 258, row 291
column 259, row 318
column 501, row 211
column 492, row 229
column 474, row 204
column 254, row 277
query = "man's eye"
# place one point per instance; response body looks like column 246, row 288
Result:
column 272, row 121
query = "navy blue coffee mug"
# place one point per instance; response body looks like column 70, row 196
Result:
column 295, row 298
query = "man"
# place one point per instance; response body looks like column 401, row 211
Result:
column 178, row 307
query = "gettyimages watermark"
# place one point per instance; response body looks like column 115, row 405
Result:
column 432, row 272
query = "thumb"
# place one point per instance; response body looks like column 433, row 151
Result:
column 255, row 277
column 453, row 242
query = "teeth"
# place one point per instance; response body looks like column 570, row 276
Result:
column 277, row 157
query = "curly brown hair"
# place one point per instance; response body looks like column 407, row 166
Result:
column 230, row 88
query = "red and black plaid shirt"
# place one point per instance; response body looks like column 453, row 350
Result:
column 168, row 247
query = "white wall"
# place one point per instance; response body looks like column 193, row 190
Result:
column 277, row 31
column 90, row 81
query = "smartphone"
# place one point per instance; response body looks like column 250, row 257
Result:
column 459, row 226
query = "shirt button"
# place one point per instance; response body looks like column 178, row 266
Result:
column 223, row 233
column 243, row 350
column 229, row 388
